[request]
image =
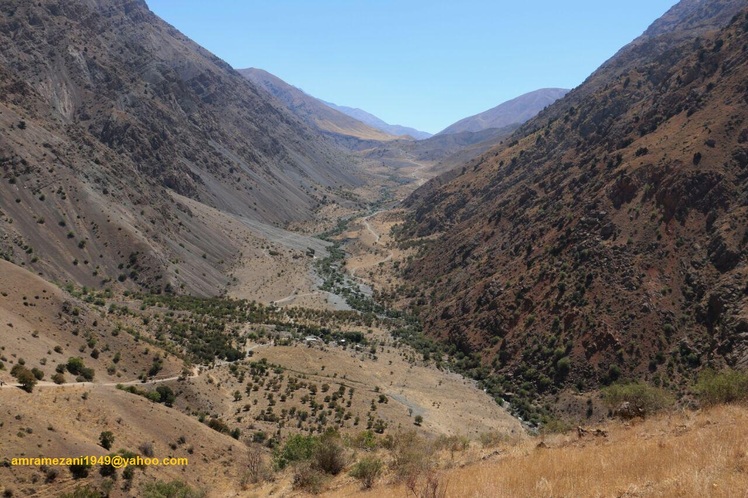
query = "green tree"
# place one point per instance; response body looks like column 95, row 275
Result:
column 166, row 394
column 106, row 439
column 25, row 377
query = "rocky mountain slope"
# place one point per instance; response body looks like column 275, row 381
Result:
column 313, row 111
column 512, row 112
column 607, row 238
column 374, row 121
column 108, row 114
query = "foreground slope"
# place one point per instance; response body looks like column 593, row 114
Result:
column 106, row 112
column 608, row 238
column 683, row 454
column 515, row 111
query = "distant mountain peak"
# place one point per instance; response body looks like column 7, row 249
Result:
column 313, row 111
column 372, row 120
column 515, row 111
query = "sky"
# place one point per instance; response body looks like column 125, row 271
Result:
column 425, row 64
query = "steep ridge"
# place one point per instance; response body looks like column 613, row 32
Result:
column 372, row 120
column 313, row 111
column 511, row 112
column 105, row 111
column 607, row 238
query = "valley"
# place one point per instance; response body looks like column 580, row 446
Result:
column 547, row 298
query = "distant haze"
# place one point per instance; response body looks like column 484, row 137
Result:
column 418, row 63
column 374, row 121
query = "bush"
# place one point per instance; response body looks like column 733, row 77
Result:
column 367, row 471
column 636, row 399
column 146, row 449
column 79, row 471
column 329, row 455
column 308, row 478
column 411, row 456
column 728, row 386
column 76, row 366
column 297, row 448
column 256, row 469
column 174, row 489
column 106, row 439
column 24, row 376
column 82, row 492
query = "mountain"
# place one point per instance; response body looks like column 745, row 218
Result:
column 113, row 122
column 377, row 123
column 515, row 111
column 312, row 111
column 606, row 239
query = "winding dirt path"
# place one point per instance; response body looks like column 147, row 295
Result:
column 377, row 236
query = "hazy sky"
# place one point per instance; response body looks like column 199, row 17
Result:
column 417, row 63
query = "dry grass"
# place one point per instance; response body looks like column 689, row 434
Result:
column 688, row 454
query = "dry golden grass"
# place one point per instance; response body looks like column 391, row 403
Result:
column 703, row 454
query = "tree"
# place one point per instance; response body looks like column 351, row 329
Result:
column 76, row 366
column 166, row 395
column 25, row 377
column 418, row 420
column 79, row 471
column 106, row 439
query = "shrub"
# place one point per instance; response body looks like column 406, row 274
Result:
column 166, row 395
column 146, row 449
column 37, row 373
column 79, row 471
column 58, row 378
column 51, row 474
column 329, row 455
column 636, row 399
column 296, row 449
column 367, row 471
column 727, row 386
column 411, row 456
column 174, row 489
column 308, row 478
column 256, row 468
column 76, row 366
column 82, row 492
column 24, row 376
column 106, row 439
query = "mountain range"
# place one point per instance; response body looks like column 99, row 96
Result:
column 109, row 123
column 211, row 264
column 315, row 112
column 606, row 238
column 511, row 112
column 377, row 123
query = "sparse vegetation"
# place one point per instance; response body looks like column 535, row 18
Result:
column 636, row 399
column 367, row 470
column 173, row 489
column 727, row 386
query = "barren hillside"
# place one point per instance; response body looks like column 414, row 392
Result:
column 606, row 239
column 106, row 109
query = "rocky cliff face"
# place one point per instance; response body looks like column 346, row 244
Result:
column 608, row 238
column 108, row 113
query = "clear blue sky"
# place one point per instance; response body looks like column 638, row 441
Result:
column 417, row 63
